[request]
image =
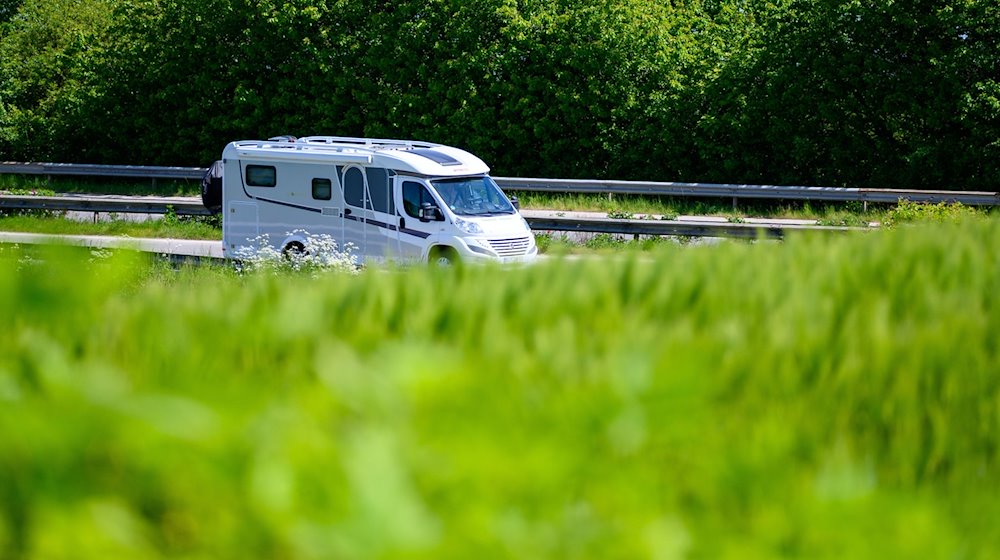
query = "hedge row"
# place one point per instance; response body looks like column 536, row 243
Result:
column 796, row 91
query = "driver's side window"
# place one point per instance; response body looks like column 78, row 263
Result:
column 415, row 194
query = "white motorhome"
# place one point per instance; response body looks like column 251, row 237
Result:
column 395, row 200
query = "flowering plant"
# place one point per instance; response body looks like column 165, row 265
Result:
column 316, row 253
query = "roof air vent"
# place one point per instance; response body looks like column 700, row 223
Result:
column 436, row 156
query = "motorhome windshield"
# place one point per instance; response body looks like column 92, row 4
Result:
column 473, row 196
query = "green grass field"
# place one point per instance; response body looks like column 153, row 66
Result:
column 824, row 397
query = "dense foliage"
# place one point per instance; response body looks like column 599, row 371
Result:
column 825, row 92
column 819, row 398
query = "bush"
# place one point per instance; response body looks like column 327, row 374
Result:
column 908, row 212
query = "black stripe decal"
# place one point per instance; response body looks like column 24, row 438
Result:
column 290, row 205
column 415, row 233
column 371, row 222
column 377, row 223
column 381, row 224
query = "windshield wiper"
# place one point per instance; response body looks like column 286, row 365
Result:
column 488, row 213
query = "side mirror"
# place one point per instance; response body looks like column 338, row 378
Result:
column 430, row 213
column 515, row 202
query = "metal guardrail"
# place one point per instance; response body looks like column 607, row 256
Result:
column 120, row 205
column 708, row 190
column 675, row 227
column 736, row 191
column 91, row 170
column 194, row 207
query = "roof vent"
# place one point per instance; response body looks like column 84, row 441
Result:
column 436, row 156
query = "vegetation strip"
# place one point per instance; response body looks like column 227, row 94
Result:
column 727, row 401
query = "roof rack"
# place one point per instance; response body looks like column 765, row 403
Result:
column 370, row 143
column 405, row 154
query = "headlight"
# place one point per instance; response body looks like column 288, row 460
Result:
column 471, row 228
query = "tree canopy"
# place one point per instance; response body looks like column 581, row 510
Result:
column 824, row 92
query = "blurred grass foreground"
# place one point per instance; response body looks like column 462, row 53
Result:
column 818, row 398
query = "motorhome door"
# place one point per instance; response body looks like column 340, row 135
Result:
column 383, row 242
column 354, row 209
column 369, row 216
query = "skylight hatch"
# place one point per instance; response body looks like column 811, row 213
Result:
column 436, row 156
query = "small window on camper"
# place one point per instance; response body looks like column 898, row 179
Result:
column 379, row 190
column 322, row 189
column 261, row 176
column 354, row 187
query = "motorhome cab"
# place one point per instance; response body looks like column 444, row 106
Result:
column 390, row 199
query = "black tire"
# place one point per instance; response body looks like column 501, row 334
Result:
column 294, row 250
column 443, row 257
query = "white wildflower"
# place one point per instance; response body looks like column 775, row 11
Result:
column 317, row 253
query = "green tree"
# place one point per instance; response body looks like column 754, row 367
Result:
column 860, row 94
column 536, row 87
column 197, row 74
column 169, row 67
column 976, row 62
column 8, row 8
column 45, row 74
column 826, row 92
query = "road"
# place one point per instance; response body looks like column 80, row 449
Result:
column 176, row 247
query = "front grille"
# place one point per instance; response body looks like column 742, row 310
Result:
column 510, row 247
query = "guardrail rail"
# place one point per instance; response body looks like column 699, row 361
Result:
column 536, row 220
column 672, row 189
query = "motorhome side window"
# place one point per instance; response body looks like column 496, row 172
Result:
column 322, row 189
column 415, row 194
column 380, row 190
column 354, row 187
column 262, row 176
